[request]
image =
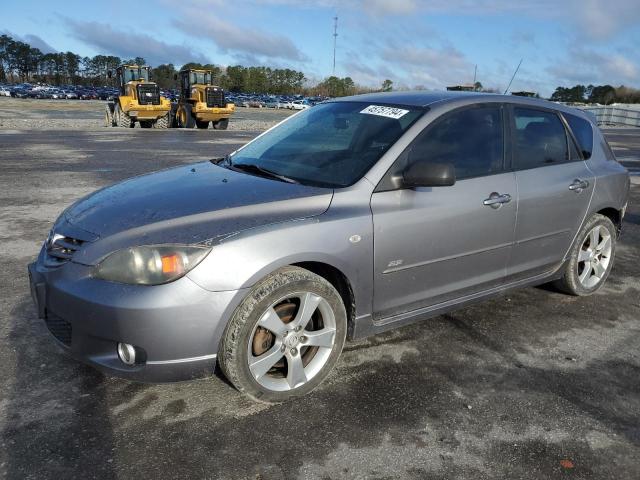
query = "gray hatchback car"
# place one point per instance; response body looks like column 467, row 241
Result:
column 350, row 218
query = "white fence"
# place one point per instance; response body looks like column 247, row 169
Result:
column 627, row 115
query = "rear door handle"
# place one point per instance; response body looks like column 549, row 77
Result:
column 578, row 185
column 496, row 200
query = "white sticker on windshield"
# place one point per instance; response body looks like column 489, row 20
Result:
column 381, row 111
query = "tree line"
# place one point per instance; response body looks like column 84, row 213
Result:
column 20, row 62
column 602, row 94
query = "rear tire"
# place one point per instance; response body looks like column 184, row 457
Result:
column 221, row 124
column 162, row 122
column 185, row 116
column 285, row 337
column 202, row 125
column 123, row 118
column 591, row 258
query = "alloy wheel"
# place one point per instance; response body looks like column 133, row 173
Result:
column 292, row 341
column 594, row 256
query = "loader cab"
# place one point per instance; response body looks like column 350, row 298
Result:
column 131, row 74
column 200, row 79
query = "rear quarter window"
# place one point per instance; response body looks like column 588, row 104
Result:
column 583, row 131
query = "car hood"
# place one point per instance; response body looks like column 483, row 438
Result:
column 188, row 205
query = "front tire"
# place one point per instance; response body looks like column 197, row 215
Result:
column 591, row 258
column 285, row 337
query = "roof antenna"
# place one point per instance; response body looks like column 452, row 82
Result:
column 514, row 76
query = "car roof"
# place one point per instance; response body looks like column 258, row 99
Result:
column 423, row 99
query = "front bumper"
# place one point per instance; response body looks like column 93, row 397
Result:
column 175, row 327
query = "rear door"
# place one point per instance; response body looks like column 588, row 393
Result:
column 554, row 190
column 435, row 244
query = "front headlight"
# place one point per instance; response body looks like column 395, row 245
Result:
column 150, row 264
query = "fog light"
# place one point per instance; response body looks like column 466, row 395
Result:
column 127, row 353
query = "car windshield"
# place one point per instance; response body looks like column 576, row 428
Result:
column 331, row 144
column 200, row 77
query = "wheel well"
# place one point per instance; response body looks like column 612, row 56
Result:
column 613, row 215
column 339, row 281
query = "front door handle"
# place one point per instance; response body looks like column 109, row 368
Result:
column 578, row 185
column 496, row 200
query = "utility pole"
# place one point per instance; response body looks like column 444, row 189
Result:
column 475, row 74
column 335, row 39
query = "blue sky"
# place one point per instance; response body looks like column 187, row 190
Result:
column 429, row 44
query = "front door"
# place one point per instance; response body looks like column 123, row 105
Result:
column 435, row 244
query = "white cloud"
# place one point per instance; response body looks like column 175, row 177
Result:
column 238, row 40
column 126, row 44
column 584, row 65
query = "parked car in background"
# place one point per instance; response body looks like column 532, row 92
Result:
column 5, row 92
column 353, row 217
column 300, row 105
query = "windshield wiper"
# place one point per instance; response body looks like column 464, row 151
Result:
column 257, row 169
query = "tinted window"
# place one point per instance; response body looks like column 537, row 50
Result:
column 583, row 132
column 540, row 139
column 470, row 139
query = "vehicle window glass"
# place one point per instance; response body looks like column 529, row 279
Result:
column 331, row 144
column 583, row 132
column 574, row 154
column 471, row 139
column 540, row 139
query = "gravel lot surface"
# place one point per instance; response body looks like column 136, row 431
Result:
column 531, row 385
column 26, row 113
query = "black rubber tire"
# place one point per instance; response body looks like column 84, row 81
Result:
column 570, row 283
column 162, row 122
column 232, row 354
column 123, row 119
column 146, row 123
column 109, row 120
column 202, row 125
column 189, row 121
column 221, row 124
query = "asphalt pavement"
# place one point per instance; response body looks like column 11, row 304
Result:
column 534, row 384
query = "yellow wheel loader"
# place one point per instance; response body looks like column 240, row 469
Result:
column 139, row 101
column 201, row 103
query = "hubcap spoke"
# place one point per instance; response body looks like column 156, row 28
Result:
column 584, row 256
column 605, row 245
column 320, row 338
column 308, row 305
column 295, row 371
column 585, row 273
column 598, row 270
column 594, row 238
column 271, row 321
column 262, row 364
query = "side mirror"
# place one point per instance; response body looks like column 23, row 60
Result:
column 109, row 73
column 426, row 174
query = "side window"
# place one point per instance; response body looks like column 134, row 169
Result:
column 471, row 139
column 583, row 132
column 540, row 139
